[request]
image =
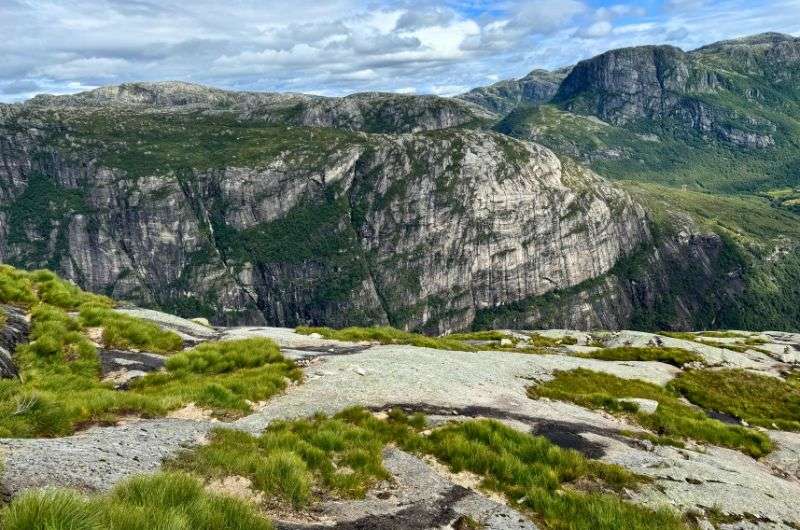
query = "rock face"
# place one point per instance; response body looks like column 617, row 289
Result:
column 368, row 112
column 707, row 90
column 328, row 227
column 539, row 86
column 13, row 330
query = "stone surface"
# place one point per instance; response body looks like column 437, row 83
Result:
column 418, row 499
column 446, row 386
column 13, row 331
column 647, row 406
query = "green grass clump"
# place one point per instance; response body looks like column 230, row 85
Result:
column 388, row 335
column 16, row 287
column 479, row 335
column 342, row 454
column 126, row 332
column 758, row 399
column 173, row 501
column 224, row 357
column 289, row 460
column 25, row 289
column 674, row 356
column 541, row 477
column 672, row 419
column 59, row 390
column 542, row 342
column 255, row 371
column 452, row 342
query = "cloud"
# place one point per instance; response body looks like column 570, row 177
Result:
column 340, row 46
column 601, row 28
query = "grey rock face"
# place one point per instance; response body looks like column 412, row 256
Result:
column 666, row 84
column 369, row 112
column 537, row 87
column 417, row 230
column 12, row 332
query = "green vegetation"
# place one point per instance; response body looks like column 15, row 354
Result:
column 758, row 399
column 674, row 356
column 24, row 289
column 488, row 335
column 389, row 335
column 157, row 143
column 672, row 419
column 468, row 341
column 126, row 332
column 42, row 208
column 541, row 341
column 292, row 460
column 172, row 501
column 543, row 478
column 59, row 389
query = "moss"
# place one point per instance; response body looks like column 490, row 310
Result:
column 672, row 418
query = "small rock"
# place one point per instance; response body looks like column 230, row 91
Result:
column 315, row 336
column 506, row 342
column 647, row 406
column 360, row 371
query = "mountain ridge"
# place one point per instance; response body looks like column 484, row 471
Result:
column 292, row 209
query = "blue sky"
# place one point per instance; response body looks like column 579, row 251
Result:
column 335, row 47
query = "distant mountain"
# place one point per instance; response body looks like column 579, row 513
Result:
column 368, row 112
column 537, row 87
column 488, row 210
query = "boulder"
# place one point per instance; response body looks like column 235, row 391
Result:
column 13, row 331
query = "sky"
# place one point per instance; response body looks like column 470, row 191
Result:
column 337, row 47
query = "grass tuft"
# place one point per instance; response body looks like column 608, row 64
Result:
column 672, row 419
column 389, row 335
column 343, row 455
column 674, row 356
column 173, row 501
column 758, row 399
column 126, row 332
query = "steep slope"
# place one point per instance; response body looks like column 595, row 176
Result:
column 723, row 120
column 245, row 221
column 539, row 86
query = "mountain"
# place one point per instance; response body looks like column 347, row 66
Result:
column 430, row 213
column 539, row 86
column 162, row 195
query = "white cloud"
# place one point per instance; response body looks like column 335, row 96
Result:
column 601, row 28
column 342, row 46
